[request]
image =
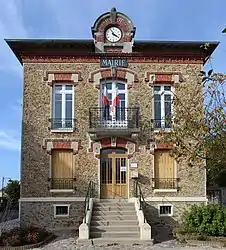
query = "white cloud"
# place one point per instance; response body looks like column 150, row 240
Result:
column 9, row 140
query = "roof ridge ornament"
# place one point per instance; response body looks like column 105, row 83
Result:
column 113, row 14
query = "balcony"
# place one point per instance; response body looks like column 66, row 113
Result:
column 120, row 122
column 62, row 125
column 63, row 184
column 165, row 184
column 162, row 124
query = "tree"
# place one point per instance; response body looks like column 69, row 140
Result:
column 12, row 191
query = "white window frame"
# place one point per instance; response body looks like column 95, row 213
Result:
column 165, row 205
column 162, row 94
column 63, row 92
column 112, row 91
column 61, row 215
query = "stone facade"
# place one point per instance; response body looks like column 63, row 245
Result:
column 37, row 111
column 41, row 214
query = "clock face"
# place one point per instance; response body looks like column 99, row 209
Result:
column 113, row 34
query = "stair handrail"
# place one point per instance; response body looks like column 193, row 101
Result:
column 140, row 196
column 89, row 195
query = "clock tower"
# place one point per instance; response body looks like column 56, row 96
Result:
column 113, row 32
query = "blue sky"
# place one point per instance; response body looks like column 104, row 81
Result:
column 154, row 19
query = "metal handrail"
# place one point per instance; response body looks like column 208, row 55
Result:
column 139, row 195
column 89, row 195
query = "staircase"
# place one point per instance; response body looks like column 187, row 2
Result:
column 114, row 219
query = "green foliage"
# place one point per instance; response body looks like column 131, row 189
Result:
column 205, row 220
column 12, row 191
column 26, row 236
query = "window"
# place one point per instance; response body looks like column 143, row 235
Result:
column 162, row 106
column 61, row 210
column 164, row 170
column 165, row 210
column 113, row 101
column 62, row 170
column 63, row 106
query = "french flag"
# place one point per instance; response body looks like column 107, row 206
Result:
column 105, row 100
column 116, row 99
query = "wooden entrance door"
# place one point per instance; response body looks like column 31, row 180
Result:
column 113, row 174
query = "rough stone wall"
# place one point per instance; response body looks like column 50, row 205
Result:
column 37, row 111
column 41, row 214
column 162, row 227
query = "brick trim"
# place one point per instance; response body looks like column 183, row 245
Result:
column 112, row 142
column 132, row 58
column 61, row 143
column 126, row 75
column 62, row 76
column 163, row 145
column 163, row 77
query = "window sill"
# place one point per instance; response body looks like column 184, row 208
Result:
column 62, row 130
column 165, row 215
column 61, row 216
column 165, row 190
column 166, row 130
column 61, row 190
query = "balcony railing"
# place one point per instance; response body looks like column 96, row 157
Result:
column 159, row 124
column 62, row 124
column 120, row 118
column 165, row 183
column 62, row 183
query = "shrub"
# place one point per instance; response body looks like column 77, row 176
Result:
column 12, row 238
column 25, row 236
column 206, row 220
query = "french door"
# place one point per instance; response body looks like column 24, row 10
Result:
column 115, row 113
column 113, row 174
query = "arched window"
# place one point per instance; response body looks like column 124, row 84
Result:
column 113, row 100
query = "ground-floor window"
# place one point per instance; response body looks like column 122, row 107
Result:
column 62, row 169
column 165, row 210
column 164, row 170
column 61, row 210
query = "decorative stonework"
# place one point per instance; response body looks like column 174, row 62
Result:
column 163, row 145
column 126, row 75
column 95, row 58
column 117, row 19
column 61, row 143
column 62, row 76
column 112, row 142
column 163, row 77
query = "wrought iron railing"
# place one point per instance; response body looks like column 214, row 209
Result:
column 62, row 183
column 89, row 194
column 62, row 124
column 165, row 183
column 138, row 194
column 162, row 124
column 127, row 118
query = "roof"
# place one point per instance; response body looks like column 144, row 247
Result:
column 83, row 47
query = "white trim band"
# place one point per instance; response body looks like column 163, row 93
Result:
column 172, row 199
column 132, row 199
column 51, row 199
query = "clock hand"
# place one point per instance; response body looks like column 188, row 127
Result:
column 114, row 34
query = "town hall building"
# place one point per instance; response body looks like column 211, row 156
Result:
column 85, row 106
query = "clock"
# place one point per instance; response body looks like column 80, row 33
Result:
column 113, row 34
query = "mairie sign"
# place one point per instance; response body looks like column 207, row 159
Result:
column 114, row 62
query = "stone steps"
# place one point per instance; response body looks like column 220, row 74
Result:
column 114, row 219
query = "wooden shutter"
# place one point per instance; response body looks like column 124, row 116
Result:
column 62, row 165
column 164, row 165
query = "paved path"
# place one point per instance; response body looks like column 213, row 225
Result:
column 67, row 240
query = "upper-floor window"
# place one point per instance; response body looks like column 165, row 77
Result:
column 162, row 106
column 113, row 100
column 63, row 106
